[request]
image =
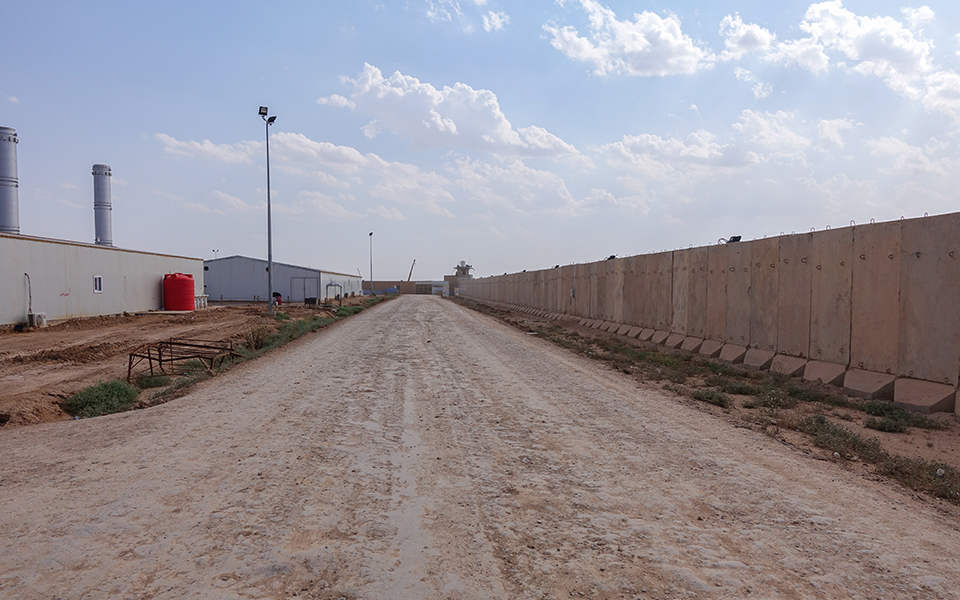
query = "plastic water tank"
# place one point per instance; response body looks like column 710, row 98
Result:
column 178, row 291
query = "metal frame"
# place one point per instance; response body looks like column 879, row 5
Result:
column 210, row 353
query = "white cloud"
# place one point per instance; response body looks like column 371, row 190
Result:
column 69, row 186
column 169, row 196
column 909, row 159
column 325, row 206
column 495, row 21
column 409, row 185
column 13, row 99
column 880, row 46
column 236, row 204
column 916, row 16
column 694, row 108
column 599, row 198
column 760, row 89
column 513, row 186
column 200, row 209
column 336, row 100
column 665, row 158
column 442, row 10
column 828, row 133
column 648, row 46
column 741, row 38
column 943, row 94
column 386, row 213
column 241, row 152
column 457, row 116
column 804, row 53
column 771, row 130
column 66, row 202
column 372, row 129
column 934, row 145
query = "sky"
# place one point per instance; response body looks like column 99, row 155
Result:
column 512, row 135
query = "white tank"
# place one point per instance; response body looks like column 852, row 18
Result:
column 9, row 186
column 102, row 205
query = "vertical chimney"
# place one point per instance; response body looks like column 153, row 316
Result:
column 9, row 193
column 101, row 205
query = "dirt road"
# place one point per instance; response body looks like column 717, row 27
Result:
column 420, row 450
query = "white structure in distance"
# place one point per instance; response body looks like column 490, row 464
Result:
column 244, row 279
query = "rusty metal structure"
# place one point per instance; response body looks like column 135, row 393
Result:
column 210, row 353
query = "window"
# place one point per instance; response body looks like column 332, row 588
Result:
column 97, row 284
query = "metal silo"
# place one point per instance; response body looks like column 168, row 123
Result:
column 102, row 205
column 9, row 193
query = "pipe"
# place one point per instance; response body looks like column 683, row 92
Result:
column 29, row 295
column 102, row 205
column 9, row 184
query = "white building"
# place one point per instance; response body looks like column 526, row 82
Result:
column 63, row 279
column 51, row 280
column 244, row 279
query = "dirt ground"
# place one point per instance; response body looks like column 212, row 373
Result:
column 41, row 367
column 935, row 445
column 450, row 457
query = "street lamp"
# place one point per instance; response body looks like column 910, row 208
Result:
column 215, row 254
column 269, row 121
column 371, row 264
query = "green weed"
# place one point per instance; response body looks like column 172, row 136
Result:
column 145, row 382
column 892, row 416
column 711, row 396
column 101, row 399
column 836, row 438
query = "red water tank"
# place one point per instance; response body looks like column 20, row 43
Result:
column 178, row 291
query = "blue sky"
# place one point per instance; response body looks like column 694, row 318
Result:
column 513, row 135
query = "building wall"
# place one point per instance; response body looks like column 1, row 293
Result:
column 879, row 297
column 240, row 278
column 62, row 275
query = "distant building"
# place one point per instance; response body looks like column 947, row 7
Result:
column 436, row 288
column 61, row 279
column 244, row 279
column 49, row 280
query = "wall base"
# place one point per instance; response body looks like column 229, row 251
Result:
column 674, row 340
column 868, row 384
column 758, row 359
column 827, row 372
column 788, row 365
column 691, row 344
column 732, row 353
column 711, row 348
column 924, row 396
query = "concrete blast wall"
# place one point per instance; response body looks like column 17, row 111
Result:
column 861, row 306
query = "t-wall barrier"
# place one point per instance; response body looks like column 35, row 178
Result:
column 874, row 308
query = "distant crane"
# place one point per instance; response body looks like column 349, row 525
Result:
column 411, row 270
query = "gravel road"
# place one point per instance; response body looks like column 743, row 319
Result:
column 420, row 450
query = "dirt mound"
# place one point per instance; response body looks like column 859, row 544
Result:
column 39, row 367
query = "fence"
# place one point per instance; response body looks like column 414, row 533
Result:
column 873, row 307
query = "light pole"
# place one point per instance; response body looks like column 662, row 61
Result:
column 215, row 254
column 269, row 121
column 371, row 264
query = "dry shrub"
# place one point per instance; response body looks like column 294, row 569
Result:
column 255, row 338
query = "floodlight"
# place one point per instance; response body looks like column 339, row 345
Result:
column 263, row 111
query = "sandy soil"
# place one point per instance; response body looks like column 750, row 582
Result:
column 453, row 457
column 41, row 367
column 935, row 445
